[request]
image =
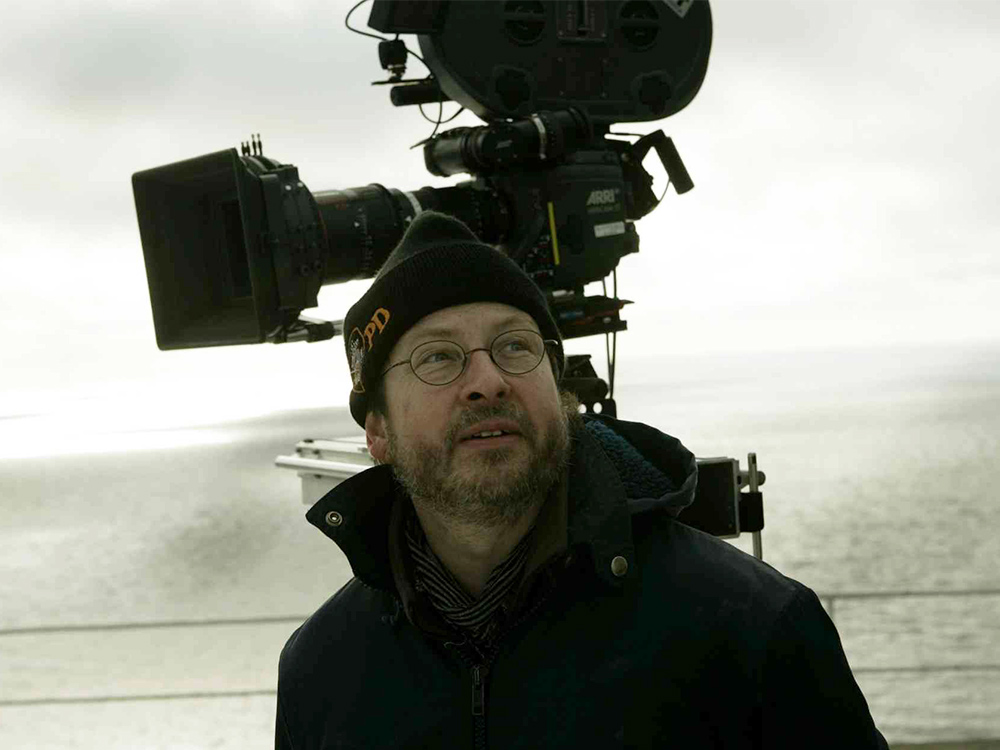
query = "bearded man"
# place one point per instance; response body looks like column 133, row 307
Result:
column 520, row 578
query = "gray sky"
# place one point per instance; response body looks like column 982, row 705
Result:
column 844, row 157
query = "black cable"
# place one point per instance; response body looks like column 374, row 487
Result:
column 663, row 193
column 607, row 350
column 608, row 343
column 611, row 365
column 461, row 109
column 358, row 31
column 614, row 346
column 437, row 123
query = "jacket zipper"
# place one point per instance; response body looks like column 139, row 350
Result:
column 479, row 671
column 479, row 707
column 478, row 697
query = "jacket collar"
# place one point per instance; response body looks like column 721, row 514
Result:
column 617, row 469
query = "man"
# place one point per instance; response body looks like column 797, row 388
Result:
column 520, row 578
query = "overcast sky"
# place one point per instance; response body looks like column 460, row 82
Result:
column 844, row 156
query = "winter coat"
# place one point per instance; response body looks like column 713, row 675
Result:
column 630, row 629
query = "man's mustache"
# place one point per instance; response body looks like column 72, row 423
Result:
column 470, row 418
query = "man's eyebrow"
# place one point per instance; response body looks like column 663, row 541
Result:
column 448, row 331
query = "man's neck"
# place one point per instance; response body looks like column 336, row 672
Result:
column 469, row 551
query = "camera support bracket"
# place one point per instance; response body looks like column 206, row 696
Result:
column 306, row 329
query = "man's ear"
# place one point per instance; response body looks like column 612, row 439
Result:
column 378, row 440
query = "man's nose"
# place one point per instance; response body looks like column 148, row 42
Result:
column 482, row 377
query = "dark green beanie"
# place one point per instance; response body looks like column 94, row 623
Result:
column 439, row 263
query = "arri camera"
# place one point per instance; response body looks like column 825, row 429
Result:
column 236, row 246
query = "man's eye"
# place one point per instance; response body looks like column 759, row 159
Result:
column 516, row 346
column 437, row 357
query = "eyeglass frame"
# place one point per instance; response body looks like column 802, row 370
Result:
column 465, row 356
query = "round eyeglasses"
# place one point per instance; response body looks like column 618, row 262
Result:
column 442, row 362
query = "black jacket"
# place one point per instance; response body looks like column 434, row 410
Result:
column 629, row 629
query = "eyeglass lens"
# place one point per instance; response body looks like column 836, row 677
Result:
column 440, row 362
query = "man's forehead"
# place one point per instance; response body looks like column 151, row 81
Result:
column 470, row 319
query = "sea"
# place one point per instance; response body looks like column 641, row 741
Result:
column 150, row 576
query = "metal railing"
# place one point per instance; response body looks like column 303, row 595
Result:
column 830, row 601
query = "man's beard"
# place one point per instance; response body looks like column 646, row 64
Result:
column 497, row 486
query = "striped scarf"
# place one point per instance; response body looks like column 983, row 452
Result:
column 479, row 618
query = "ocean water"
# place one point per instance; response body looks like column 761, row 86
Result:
column 147, row 583
column 883, row 467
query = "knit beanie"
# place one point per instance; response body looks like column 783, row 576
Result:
column 438, row 263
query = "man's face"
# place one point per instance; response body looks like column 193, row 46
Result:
column 485, row 482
